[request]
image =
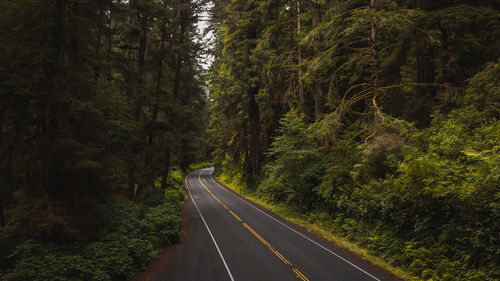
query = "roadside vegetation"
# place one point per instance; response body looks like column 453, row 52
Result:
column 312, row 224
column 132, row 232
column 101, row 112
column 202, row 165
column 374, row 120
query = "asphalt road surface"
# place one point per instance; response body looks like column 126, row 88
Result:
column 232, row 239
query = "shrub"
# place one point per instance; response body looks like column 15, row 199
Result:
column 165, row 222
column 121, row 251
column 197, row 166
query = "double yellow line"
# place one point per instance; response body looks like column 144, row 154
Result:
column 254, row 233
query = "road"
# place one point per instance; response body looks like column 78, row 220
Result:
column 232, row 239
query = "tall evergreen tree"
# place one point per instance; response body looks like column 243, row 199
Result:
column 93, row 91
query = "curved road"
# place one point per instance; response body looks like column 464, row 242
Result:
column 234, row 240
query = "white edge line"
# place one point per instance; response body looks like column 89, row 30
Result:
column 209, row 232
column 314, row 242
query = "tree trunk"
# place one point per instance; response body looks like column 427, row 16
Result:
column 2, row 215
column 425, row 74
column 425, row 71
column 177, row 83
column 254, row 126
column 131, row 180
column 139, row 92
column 52, row 178
column 159, row 76
column 253, row 111
column 140, row 66
column 374, row 52
column 56, row 41
column 299, row 60
column 164, row 177
column 318, row 92
column 5, row 173
column 178, row 64
column 248, row 162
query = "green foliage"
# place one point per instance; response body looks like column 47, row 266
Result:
column 297, row 167
column 424, row 200
column 379, row 120
column 484, row 91
column 439, row 193
column 165, row 222
column 175, row 191
column 122, row 251
column 98, row 99
column 197, row 166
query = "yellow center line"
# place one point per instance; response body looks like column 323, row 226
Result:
column 235, row 215
column 254, row 233
column 299, row 274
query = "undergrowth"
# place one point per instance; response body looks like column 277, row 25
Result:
column 120, row 251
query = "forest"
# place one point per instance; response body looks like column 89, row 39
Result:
column 374, row 119
column 101, row 111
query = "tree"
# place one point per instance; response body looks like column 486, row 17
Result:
column 88, row 98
